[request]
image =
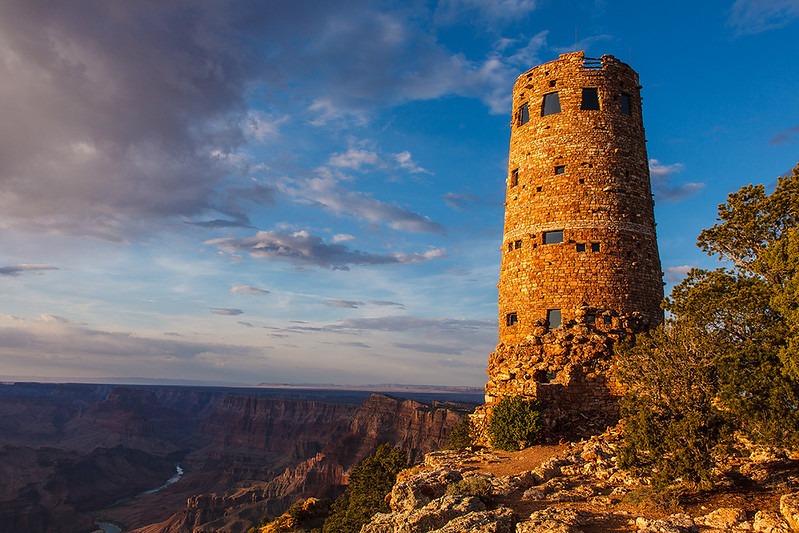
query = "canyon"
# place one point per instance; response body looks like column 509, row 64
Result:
column 72, row 455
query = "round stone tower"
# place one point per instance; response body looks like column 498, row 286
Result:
column 579, row 218
column 580, row 267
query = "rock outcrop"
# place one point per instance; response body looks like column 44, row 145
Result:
column 579, row 489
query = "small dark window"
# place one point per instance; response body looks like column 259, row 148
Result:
column 517, row 244
column 594, row 246
column 553, row 237
column 510, row 246
column 524, row 114
column 511, row 319
column 625, row 104
column 514, row 178
column 580, row 246
column 590, row 319
column 551, row 104
column 590, row 99
column 607, row 319
column 538, row 189
column 560, row 169
column 554, row 319
column 553, row 83
column 581, row 180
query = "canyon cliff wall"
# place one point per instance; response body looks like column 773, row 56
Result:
column 67, row 452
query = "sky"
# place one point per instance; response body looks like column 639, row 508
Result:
column 244, row 192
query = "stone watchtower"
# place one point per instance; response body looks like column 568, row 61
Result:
column 580, row 266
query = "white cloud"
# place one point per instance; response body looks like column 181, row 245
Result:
column 354, row 158
column 304, row 249
column 342, row 237
column 757, row 16
column 324, row 191
column 675, row 274
column 662, row 182
column 405, row 161
column 248, row 289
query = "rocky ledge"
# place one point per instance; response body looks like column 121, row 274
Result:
column 577, row 488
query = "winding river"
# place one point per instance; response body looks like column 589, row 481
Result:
column 109, row 527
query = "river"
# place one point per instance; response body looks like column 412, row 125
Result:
column 109, row 527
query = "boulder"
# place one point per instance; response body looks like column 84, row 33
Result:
column 769, row 522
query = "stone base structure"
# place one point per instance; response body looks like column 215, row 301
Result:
column 567, row 370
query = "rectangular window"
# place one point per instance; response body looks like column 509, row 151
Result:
column 524, row 114
column 625, row 104
column 590, row 319
column 551, row 104
column 594, row 246
column 580, row 246
column 510, row 246
column 590, row 99
column 553, row 318
column 553, row 237
column 560, row 169
column 511, row 319
column 607, row 319
column 514, row 178
column 517, row 244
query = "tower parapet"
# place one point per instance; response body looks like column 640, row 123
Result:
column 580, row 265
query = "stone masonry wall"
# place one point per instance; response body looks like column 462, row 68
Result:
column 567, row 370
column 580, row 265
column 585, row 173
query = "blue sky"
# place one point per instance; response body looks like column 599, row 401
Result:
column 311, row 192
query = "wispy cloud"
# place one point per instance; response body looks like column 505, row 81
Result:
column 325, row 191
column 662, row 184
column 488, row 11
column 405, row 161
column 675, row 274
column 16, row 270
column 304, row 249
column 387, row 303
column 355, row 158
column 785, row 135
column 757, row 16
column 344, row 304
column 226, row 311
column 406, row 323
column 460, row 200
column 426, row 347
column 248, row 289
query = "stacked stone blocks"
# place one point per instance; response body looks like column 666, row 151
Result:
column 580, row 266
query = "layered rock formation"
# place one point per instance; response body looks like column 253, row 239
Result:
column 416, row 428
column 69, row 451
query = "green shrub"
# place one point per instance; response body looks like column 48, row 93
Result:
column 515, row 423
column 478, row 486
column 461, row 435
column 369, row 483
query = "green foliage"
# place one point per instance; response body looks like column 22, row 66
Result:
column 478, row 486
column 727, row 359
column 369, row 483
column 515, row 423
column 461, row 435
